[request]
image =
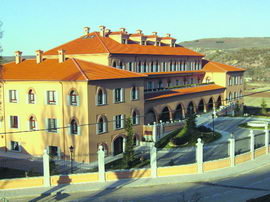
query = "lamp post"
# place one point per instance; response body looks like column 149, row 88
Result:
column 213, row 117
column 71, row 149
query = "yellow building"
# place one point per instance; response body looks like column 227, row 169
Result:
column 79, row 93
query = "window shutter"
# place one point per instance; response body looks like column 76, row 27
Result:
column 78, row 100
column 56, row 98
column 122, row 95
column 17, row 96
column 79, row 130
column 114, row 122
column 104, row 98
column 18, row 122
column 56, row 131
column 46, row 125
column 68, row 100
column 105, row 125
column 46, row 97
column 97, row 132
column 113, row 95
column 122, row 120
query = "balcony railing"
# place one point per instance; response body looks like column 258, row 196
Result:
column 153, row 90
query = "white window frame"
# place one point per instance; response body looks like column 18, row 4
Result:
column 121, row 95
column 19, row 146
column 136, row 93
column 54, row 93
column 119, row 118
column 49, row 129
column 18, row 122
column 13, row 96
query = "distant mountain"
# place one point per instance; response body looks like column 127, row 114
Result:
column 228, row 43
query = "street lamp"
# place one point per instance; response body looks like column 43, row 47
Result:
column 213, row 117
column 71, row 149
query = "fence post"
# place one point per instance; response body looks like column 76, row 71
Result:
column 101, row 164
column 199, row 155
column 161, row 129
column 46, row 168
column 154, row 132
column 153, row 160
column 266, row 138
column 252, row 141
column 232, row 150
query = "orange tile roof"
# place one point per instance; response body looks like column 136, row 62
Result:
column 167, row 37
column 183, row 91
column 175, row 72
column 94, row 43
column 211, row 66
column 136, row 35
column 69, row 70
column 152, row 36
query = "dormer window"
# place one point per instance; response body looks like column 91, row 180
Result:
column 143, row 42
column 124, row 41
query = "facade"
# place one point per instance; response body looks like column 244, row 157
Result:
column 79, row 93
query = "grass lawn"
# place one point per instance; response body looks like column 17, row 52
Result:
column 187, row 140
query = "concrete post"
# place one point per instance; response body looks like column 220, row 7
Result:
column 161, row 129
column 232, row 150
column 153, row 160
column 101, row 164
column 252, row 141
column 124, row 144
column 46, row 168
column 199, row 155
column 154, row 132
column 266, row 138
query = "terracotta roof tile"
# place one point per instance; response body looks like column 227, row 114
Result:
column 69, row 70
column 182, row 91
column 93, row 43
column 211, row 66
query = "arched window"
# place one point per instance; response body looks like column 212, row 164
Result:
column 32, row 123
column 31, row 97
column 73, row 98
column 169, row 83
column 152, row 67
column 74, row 127
column 134, row 93
column 230, row 81
column 135, row 118
column 230, row 97
column 139, row 67
column 130, row 66
column 120, row 65
column 101, row 125
column 144, row 67
column 114, row 64
column 235, row 95
column 101, row 97
column 160, row 84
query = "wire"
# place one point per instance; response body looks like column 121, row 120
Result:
column 111, row 121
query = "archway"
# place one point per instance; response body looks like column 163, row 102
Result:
column 218, row 104
column 190, row 108
column 178, row 114
column 201, row 106
column 210, row 104
column 150, row 117
column 118, row 146
column 165, row 115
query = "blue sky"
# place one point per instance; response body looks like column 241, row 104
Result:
column 43, row 24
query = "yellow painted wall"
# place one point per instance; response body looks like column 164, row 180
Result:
column 71, row 179
column 242, row 158
column 218, row 164
column 128, row 174
column 177, row 170
column 260, row 152
column 21, row 183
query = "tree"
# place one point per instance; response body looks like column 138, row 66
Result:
column 263, row 107
column 128, row 157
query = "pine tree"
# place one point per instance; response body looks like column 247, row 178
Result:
column 128, row 157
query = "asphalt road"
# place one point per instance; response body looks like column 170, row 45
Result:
column 249, row 185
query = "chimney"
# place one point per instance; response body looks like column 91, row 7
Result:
column 139, row 31
column 123, row 30
column 102, row 30
column 61, row 56
column 18, row 57
column 107, row 31
column 154, row 33
column 86, row 30
column 168, row 35
column 39, row 56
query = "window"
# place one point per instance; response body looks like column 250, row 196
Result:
column 73, row 127
column 51, row 97
column 118, row 95
column 101, row 97
column 144, row 67
column 119, row 121
column 52, row 125
column 13, row 96
column 73, row 98
column 177, row 83
column 134, row 93
column 169, row 83
column 135, row 118
column 230, row 81
column 101, row 125
column 31, row 97
column 160, row 84
column 14, row 122
column 114, row 64
column 130, row 66
column 32, row 123
column 14, row 146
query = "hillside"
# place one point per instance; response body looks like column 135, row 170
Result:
column 250, row 53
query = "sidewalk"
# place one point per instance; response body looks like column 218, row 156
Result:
column 243, row 168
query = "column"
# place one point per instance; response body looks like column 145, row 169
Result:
column 46, row 169
column 153, row 160
column 232, row 150
column 266, row 138
column 101, row 164
column 252, row 141
column 199, row 155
